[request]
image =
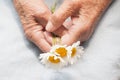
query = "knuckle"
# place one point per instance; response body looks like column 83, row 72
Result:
column 29, row 34
column 33, row 34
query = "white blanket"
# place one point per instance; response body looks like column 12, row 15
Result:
column 19, row 57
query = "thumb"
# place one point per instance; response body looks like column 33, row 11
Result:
column 60, row 15
column 42, row 15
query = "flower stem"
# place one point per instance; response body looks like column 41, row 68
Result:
column 56, row 38
column 53, row 7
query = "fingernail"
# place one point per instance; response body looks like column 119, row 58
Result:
column 49, row 27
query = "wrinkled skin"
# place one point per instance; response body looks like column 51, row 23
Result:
column 84, row 14
column 38, row 21
column 29, row 11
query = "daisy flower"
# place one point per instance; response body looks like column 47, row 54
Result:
column 62, row 55
column 75, row 52
column 60, row 51
column 51, row 60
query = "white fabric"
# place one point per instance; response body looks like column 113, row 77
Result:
column 18, row 57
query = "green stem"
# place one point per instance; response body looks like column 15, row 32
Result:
column 53, row 7
column 56, row 38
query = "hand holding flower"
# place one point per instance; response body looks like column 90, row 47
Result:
column 29, row 11
column 83, row 13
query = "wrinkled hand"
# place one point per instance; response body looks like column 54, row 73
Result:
column 83, row 14
column 34, row 15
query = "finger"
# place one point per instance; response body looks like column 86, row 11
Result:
column 43, row 45
column 37, row 37
column 68, row 39
column 43, row 16
column 35, row 34
column 60, row 15
column 48, row 37
column 68, row 24
column 81, row 32
column 61, row 31
column 42, row 13
column 75, row 33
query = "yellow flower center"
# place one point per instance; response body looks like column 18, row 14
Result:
column 61, row 51
column 51, row 59
column 73, row 52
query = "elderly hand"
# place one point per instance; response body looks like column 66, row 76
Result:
column 34, row 15
column 83, row 14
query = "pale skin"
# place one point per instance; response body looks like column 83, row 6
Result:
column 38, row 21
